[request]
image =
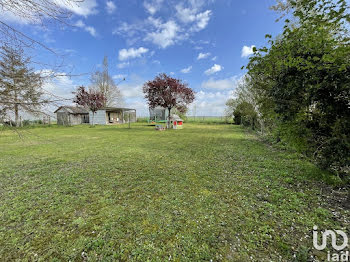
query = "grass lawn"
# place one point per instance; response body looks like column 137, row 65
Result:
column 207, row 192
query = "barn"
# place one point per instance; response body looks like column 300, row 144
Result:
column 71, row 115
column 113, row 115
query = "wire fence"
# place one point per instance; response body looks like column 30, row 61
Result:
column 207, row 119
column 197, row 119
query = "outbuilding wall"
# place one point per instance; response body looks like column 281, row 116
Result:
column 75, row 119
column 67, row 119
column 132, row 117
column 99, row 117
column 62, row 118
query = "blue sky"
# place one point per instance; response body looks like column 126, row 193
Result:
column 203, row 42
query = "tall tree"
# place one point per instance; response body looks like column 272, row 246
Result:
column 20, row 85
column 102, row 82
column 244, row 108
column 92, row 99
column 168, row 92
column 303, row 79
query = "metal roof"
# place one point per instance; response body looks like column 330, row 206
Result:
column 117, row 108
column 73, row 109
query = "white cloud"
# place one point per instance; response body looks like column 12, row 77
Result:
column 7, row 16
column 131, row 90
column 210, row 103
column 89, row 29
column 119, row 76
column 198, row 4
column 125, row 54
column 123, row 65
column 165, row 35
column 221, row 84
column 185, row 15
column 82, row 8
column 203, row 55
column 214, row 58
column 155, row 22
column 191, row 15
column 152, row 6
column 126, row 29
column 186, row 70
column 80, row 24
column 214, row 69
column 247, row 51
column 187, row 19
column 202, row 20
column 57, row 84
column 110, row 7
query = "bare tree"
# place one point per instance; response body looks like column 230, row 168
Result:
column 39, row 12
column 20, row 85
column 102, row 82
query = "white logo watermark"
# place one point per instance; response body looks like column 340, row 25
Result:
column 337, row 237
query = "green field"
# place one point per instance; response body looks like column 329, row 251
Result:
column 109, row 193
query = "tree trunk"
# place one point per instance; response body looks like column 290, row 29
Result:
column 93, row 115
column 16, row 110
column 168, row 124
column 16, row 115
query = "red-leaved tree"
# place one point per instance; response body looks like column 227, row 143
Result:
column 169, row 93
column 91, row 99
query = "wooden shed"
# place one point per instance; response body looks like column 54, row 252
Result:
column 113, row 115
column 72, row 115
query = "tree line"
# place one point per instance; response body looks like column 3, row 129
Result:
column 297, row 89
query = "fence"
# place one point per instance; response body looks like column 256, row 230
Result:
column 206, row 119
column 198, row 119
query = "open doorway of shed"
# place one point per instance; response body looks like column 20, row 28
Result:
column 115, row 117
